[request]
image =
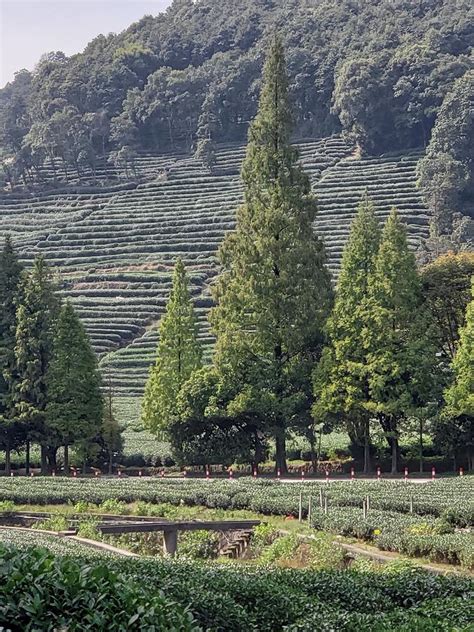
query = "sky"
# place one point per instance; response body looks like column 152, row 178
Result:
column 29, row 28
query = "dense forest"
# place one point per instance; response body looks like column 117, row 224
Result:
column 390, row 74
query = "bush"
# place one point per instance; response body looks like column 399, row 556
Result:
column 38, row 590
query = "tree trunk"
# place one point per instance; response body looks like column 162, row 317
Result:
column 52, row 462
column 84, row 467
column 66, row 460
column 44, row 463
column 27, row 457
column 394, row 444
column 280, row 456
column 111, row 465
column 8, row 467
column 314, row 456
column 367, row 460
column 421, row 445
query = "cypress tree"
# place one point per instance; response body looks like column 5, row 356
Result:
column 74, row 407
column 178, row 355
column 36, row 315
column 274, row 292
column 341, row 381
column 10, row 278
column 401, row 359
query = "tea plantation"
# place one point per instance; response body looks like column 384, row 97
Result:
column 431, row 520
column 114, row 243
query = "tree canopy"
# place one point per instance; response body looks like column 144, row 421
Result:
column 378, row 70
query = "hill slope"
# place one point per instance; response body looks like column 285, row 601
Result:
column 115, row 246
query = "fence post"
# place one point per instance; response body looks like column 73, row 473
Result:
column 364, row 509
column 310, row 503
column 367, row 503
column 300, row 508
column 321, row 498
column 325, row 505
column 411, row 503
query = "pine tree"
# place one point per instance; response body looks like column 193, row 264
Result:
column 178, row 355
column 74, row 407
column 341, row 384
column 36, row 315
column 400, row 354
column 459, row 397
column 274, row 291
column 10, row 278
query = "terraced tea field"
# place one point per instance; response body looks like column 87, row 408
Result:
column 114, row 244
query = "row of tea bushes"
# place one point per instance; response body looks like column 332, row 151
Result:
column 228, row 598
column 451, row 499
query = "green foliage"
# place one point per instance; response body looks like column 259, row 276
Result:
column 36, row 316
column 263, row 535
column 455, row 429
column 281, row 550
column 113, row 506
column 10, row 278
column 57, row 522
column 38, row 588
column 178, row 355
column 88, row 529
column 153, row 84
column 230, row 598
column 273, row 293
column 446, row 285
column 447, row 171
column 199, row 545
column 341, row 379
column 74, row 401
column 401, row 360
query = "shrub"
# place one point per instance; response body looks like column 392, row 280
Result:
column 38, row 589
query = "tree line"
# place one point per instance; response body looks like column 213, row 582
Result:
column 391, row 75
column 389, row 347
column 50, row 386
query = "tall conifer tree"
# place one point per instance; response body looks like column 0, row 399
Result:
column 400, row 354
column 36, row 316
column 341, row 380
column 10, row 278
column 274, row 292
column 179, row 353
column 74, row 409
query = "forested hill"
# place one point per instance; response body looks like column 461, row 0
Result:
column 391, row 75
column 378, row 68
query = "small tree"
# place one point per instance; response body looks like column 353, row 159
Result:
column 36, row 316
column 178, row 355
column 10, row 278
column 74, row 408
column 341, row 381
column 401, row 360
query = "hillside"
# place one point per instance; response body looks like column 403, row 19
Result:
column 114, row 246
